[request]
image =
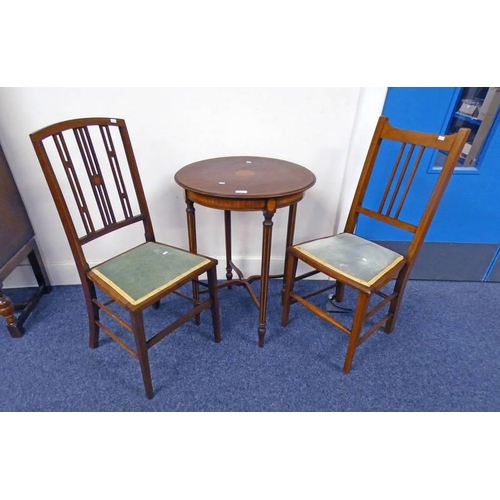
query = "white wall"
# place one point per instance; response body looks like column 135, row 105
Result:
column 324, row 129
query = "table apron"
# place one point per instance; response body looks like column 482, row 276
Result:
column 243, row 204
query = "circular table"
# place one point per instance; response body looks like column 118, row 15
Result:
column 245, row 183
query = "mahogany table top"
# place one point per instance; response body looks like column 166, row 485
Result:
column 245, row 177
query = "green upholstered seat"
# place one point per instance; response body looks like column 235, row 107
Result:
column 146, row 270
column 351, row 256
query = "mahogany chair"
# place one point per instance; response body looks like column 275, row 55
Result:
column 365, row 265
column 92, row 174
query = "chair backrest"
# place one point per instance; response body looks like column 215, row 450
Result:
column 407, row 147
column 92, row 174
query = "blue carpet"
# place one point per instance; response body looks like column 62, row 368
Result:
column 442, row 356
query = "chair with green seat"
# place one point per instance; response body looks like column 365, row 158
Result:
column 362, row 264
column 92, row 174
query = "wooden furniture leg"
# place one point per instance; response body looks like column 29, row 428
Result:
column 357, row 326
column 15, row 325
column 229, row 257
column 292, row 215
column 267, row 233
column 142, row 351
column 7, row 311
column 193, row 247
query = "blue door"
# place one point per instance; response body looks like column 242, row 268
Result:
column 464, row 239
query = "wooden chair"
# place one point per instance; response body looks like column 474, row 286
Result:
column 92, row 174
column 362, row 264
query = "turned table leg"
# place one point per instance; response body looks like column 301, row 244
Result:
column 193, row 247
column 229, row 257
column 267, row 232
column 7, row 311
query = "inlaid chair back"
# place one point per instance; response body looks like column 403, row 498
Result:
column 363, row 264
column 92, row 174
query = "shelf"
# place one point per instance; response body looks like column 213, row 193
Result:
column 470, row 119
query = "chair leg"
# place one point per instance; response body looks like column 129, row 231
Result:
column 196, row 297
column 339, row 292
column 357, row 326
column 290, row 271
column 399, row 288
column 89, row 292
column 142, row 351
column 214, row 297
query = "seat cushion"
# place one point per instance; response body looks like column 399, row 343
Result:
column 352, row 256
column 143, row 271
